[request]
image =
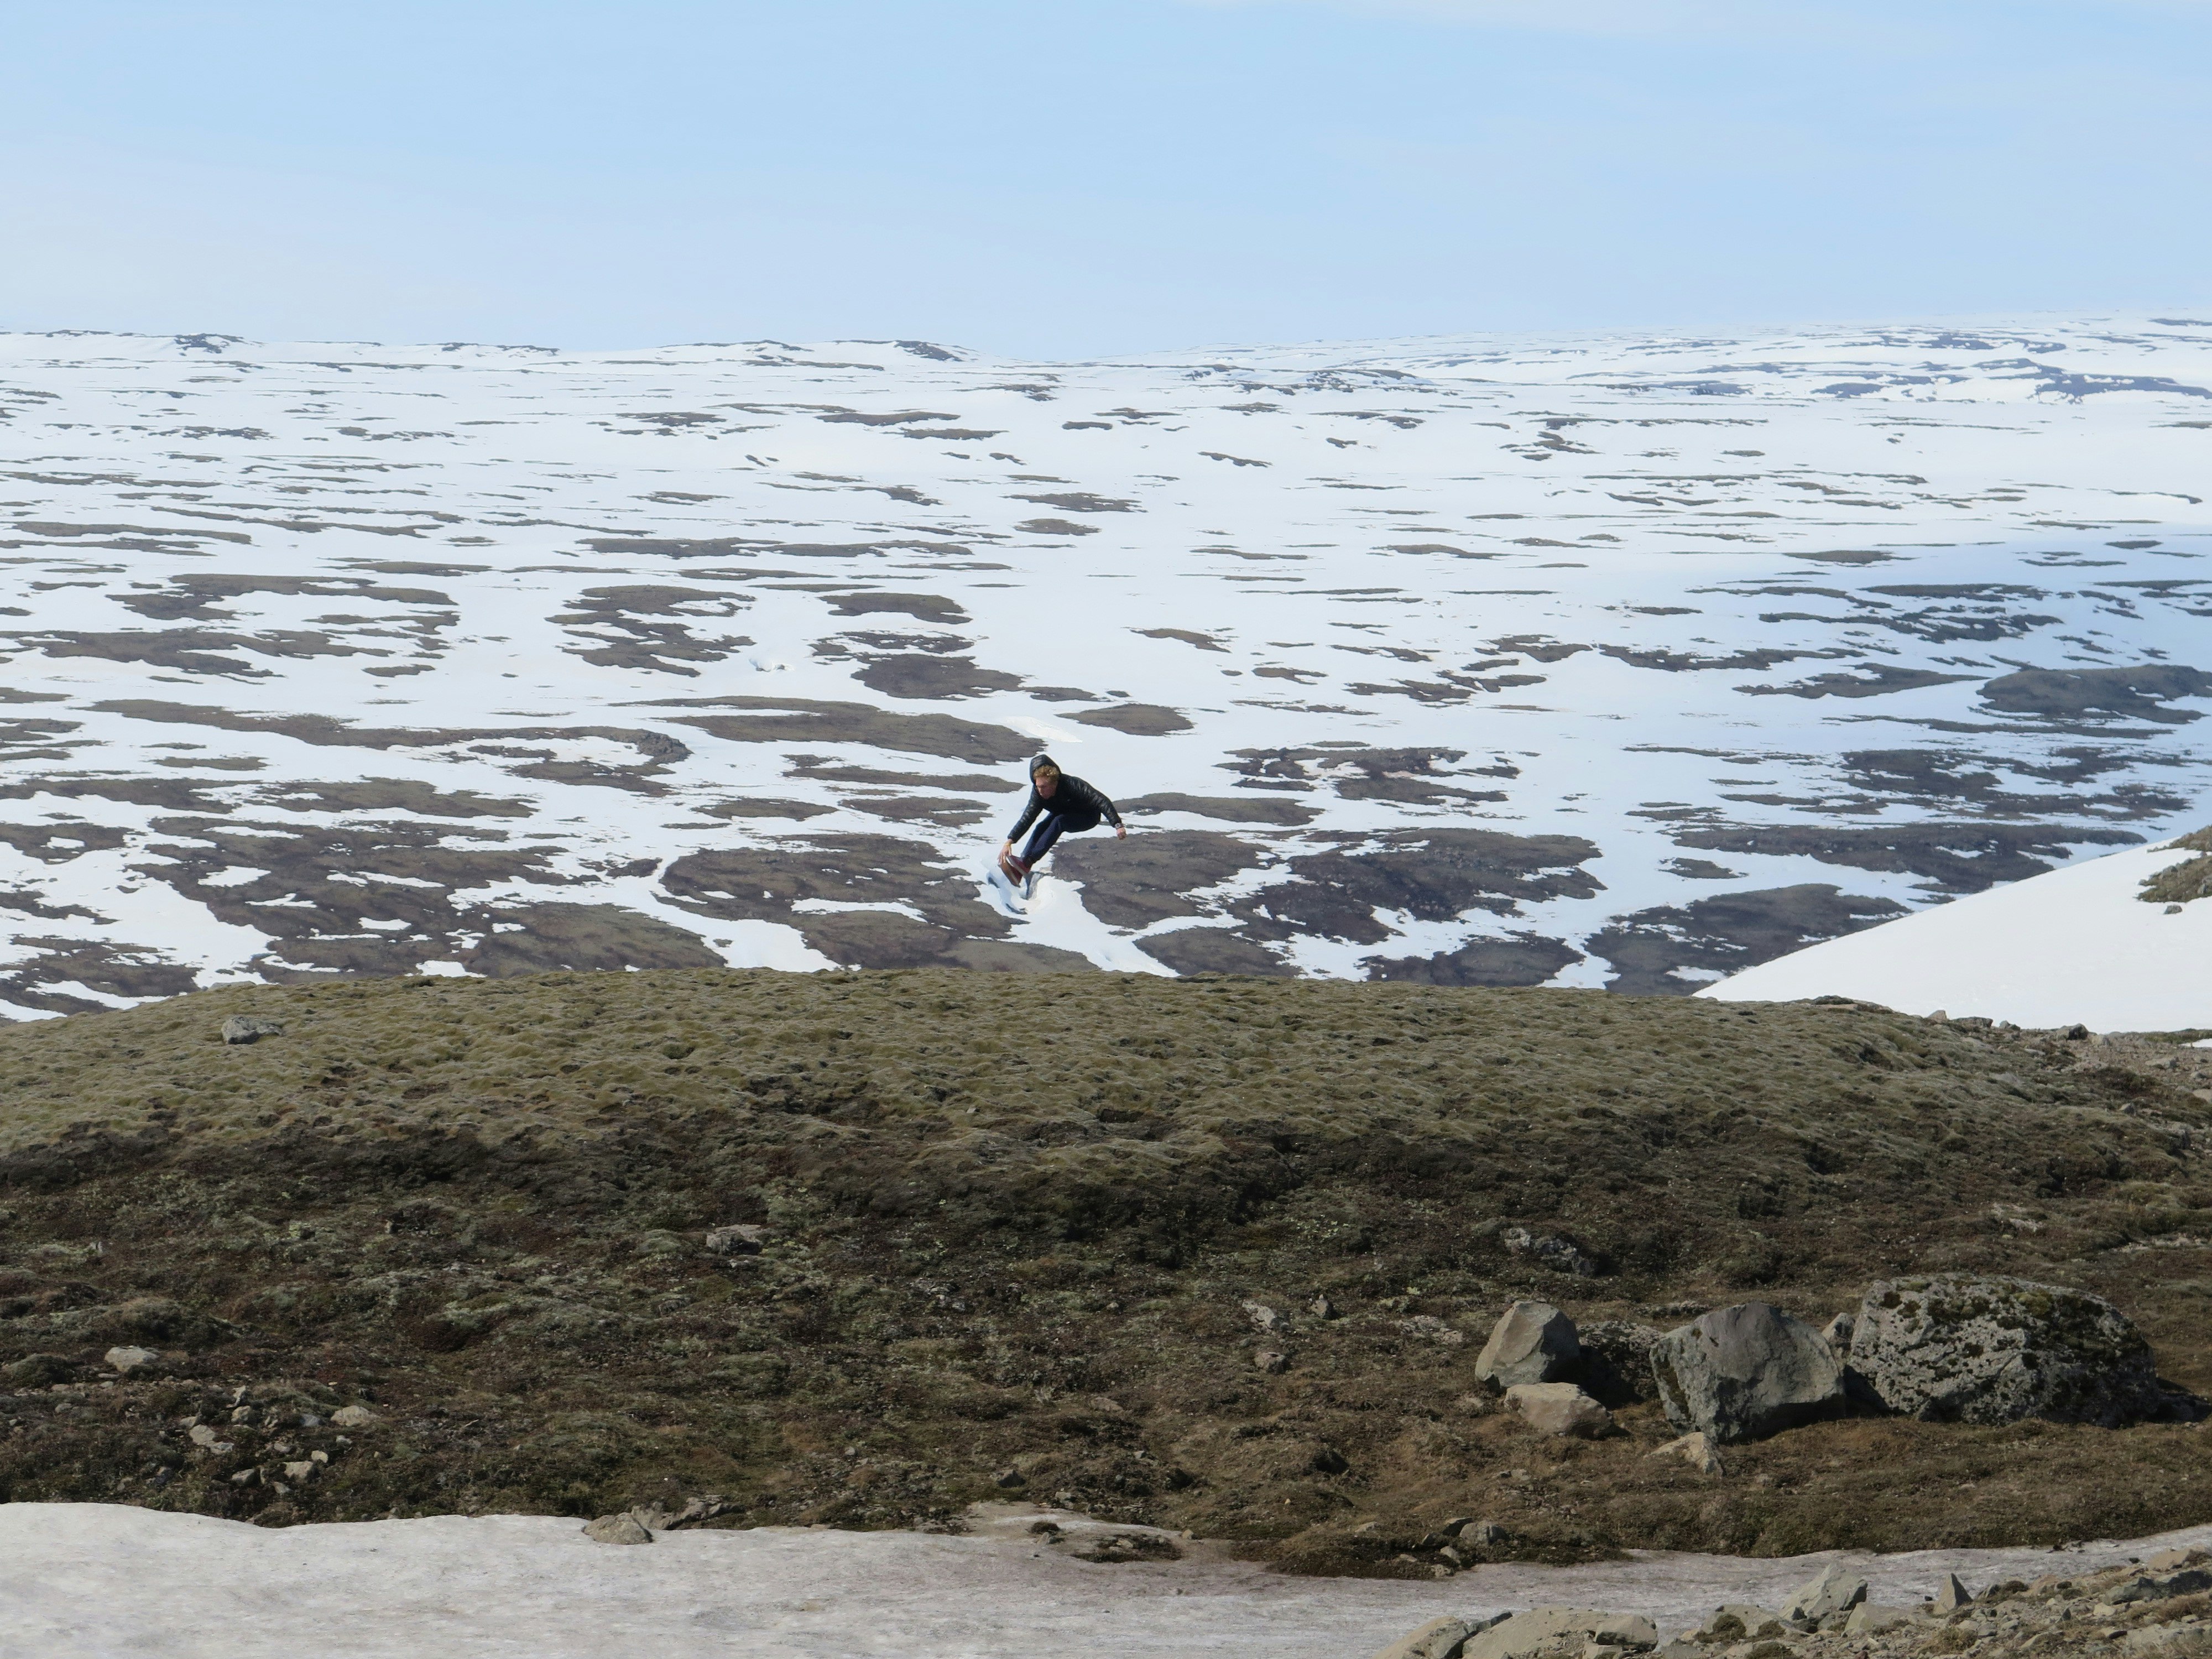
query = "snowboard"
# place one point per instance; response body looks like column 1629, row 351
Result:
column 1012, row 895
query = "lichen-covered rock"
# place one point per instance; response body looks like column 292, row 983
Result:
column 617, row 1529
column 244, row 1028
column 1738, row 1621
column 1546, row 1630
column 1835, row 1589
column 1744, row 1373
column 1961, row 1349
column 1616, row 1362
column 1559, row 1255
column 1868, row 1618
column 1532, row 1342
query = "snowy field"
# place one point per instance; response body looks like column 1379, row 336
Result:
column 2076, row 945
column 1585, row 661
column 96, row 1580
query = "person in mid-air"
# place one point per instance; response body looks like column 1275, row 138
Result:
column 1060, row 804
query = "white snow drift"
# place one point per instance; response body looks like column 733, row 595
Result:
column 95, row 1580
column 2075, row 946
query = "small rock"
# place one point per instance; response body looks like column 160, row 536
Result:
column 1440, row 1638
column 1836, row 1589
column 1953, row 1595
column 1867, row 1618
column 1744, row 1373
column 2146, row 1587
column 617, row 1529
column 1695, row 1449
column 318, row 1457
column 1532, row 1342
column 2174, row 1560
column 1128, row 1544
column 127, row 1360
column 1558, row 1408
column 1555, row 1253
column 1010, row 1479
column 1264, row 1316
column 239, row 1028
column 1322, row 1308
column 353, row 1417
column 202, row 1435
column 303, row 1470
column 247, row 1477
column 1274, row 1361
column 2075, row 1034
column 1543, row 1629
column 744, row 1239
column 1483, row 1534
column 1430, row 1328
column 1739, row 1621
column 1837, row 1333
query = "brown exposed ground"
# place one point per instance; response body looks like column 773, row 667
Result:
column 1214, row 1253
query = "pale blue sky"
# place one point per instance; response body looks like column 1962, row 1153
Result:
column 1067, row 177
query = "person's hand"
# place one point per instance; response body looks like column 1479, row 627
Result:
column 1120, row 832
column 1006, row 848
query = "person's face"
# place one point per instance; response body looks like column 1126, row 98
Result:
column 1046, row 783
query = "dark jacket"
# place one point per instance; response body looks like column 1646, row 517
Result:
column 1073, row 800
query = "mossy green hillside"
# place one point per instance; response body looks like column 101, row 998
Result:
column 1034, row 1234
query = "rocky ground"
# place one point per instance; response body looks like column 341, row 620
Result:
column 1218, row 1256
column 2161, row 1607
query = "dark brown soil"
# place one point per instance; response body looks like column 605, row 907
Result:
column 1041, row 1229
column 1138, row 719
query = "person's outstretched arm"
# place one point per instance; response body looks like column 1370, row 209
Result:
column 1095, row 798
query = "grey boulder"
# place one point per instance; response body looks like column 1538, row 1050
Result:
column 1532, row 1342
column 1548, row 1630
column 241, row 1028
column 1558, row 1408
column 1958, row 1349
column 1869, row 1619
column 1835, row 1589
column 617, row 1529
column 1744, row 1373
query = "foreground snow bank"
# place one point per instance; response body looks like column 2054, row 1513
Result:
column 2074, row 945
column 100, row 1579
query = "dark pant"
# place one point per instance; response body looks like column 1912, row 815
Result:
column 1051, row 827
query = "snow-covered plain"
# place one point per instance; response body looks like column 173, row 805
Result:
column 1606, row 660
column 98, row 1580
column 2076, row 945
